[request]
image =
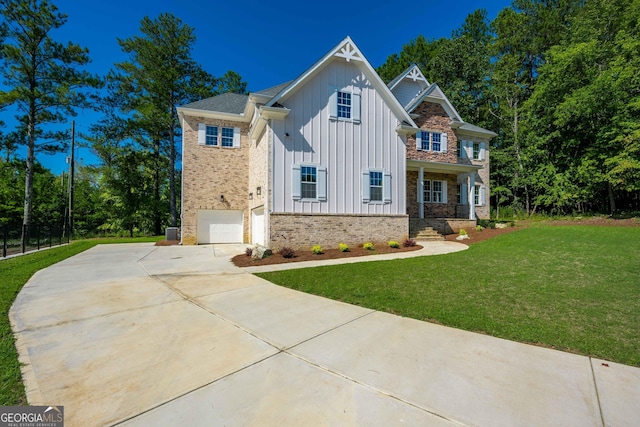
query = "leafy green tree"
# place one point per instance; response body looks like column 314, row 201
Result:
column 43, row 79
column 592, row 133
column 159, row 76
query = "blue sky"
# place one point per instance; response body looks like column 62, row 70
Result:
column 267, row 43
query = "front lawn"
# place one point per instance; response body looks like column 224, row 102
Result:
column 15, row 272
column 573, row 288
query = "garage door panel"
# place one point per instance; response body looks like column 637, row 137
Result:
column 220, row 226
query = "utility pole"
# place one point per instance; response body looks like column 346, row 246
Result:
column 71, row 175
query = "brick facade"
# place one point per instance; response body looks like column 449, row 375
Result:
column 302, row 231
column 433, row 118
column 209, row 172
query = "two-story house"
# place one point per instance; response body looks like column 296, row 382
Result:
column 332, row 156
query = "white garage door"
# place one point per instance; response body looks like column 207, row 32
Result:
column 219, row 226
column 257, row 226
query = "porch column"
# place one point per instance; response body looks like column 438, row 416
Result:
column 471, row 180
column 421, row 192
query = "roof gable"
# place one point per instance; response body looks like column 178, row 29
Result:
column 435, row 94
column 348, row 51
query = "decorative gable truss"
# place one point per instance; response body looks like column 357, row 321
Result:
column 349, row 52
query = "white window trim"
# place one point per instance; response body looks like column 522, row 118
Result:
column 386, row 187
column 202, row 135
column 443, row 141
column 321, row 182
column 355, row 105
column 445, row 191
column 479, row 191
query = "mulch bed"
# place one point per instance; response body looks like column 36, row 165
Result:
column 306, row 255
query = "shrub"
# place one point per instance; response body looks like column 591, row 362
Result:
column 394, row 244
column 343, row 247
column 317, row 249
column 462, row 232
column 408, row 243
column 287, row 252
column 479, row 228
column 368, row 246
column 248, row 251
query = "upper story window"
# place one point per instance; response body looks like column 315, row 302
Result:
column 431, row 141
column 435, row 141
column 308, row 181
column 459, row 149
column 375, row 182
column 476, row 151
column 212, row 135
column 217, row 136
column 227, row 137
column 344, row 105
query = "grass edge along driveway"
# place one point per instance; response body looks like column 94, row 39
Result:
column 15, row 272
column 572, row 288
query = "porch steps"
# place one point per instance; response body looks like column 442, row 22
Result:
column 420, row 230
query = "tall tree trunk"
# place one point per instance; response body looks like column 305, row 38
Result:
column 157, row 220
column 28, row 182
column 612, row 199
column 172, row 172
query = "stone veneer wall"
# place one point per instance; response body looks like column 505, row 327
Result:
column 209, row 172
column 433, row 118
column 302, row 231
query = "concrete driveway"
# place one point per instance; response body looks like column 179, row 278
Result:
column 165, row 336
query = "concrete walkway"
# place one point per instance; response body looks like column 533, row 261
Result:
column 139, row 335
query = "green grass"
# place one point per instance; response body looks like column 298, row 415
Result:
column 573, row 288
column 15, row 272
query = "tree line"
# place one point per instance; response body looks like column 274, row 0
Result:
column 135, row 185
column 558, row 80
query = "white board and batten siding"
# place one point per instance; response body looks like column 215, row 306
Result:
column 345, row 148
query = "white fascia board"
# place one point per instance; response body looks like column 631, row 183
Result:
column 406, row 72
column 441, row 167
column 361, row 61
column 191, row 112
column 444, row 101
column 482, row 133
column 407, row 130
column 264, row 114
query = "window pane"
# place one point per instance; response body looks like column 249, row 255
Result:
column 435, row 141
column 375, row 182
column 308, row 181
column 344, row 105
column 211, row 135
column 459, row 148
column 476, row 194
column 227, row 137
column 424, row 140
column 476, row 151
column 437, row 191
column 427, row 191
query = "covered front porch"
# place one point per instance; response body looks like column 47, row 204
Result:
column 441, row 195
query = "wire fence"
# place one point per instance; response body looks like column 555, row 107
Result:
column 36, row 237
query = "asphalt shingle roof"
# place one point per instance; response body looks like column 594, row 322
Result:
column 226, row 103
column 274, row 90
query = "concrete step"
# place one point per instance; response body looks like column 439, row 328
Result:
column 419, row 230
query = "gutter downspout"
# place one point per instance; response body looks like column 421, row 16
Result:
column 267, row 196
